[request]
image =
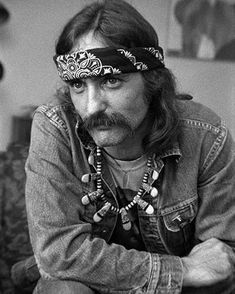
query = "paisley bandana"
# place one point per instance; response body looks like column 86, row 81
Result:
column 103, row 61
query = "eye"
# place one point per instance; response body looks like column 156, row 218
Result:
column 77, row 86
column 112, row 82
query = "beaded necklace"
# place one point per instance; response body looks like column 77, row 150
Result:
column 99, row 193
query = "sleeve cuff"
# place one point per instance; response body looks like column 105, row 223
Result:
column 167, row 274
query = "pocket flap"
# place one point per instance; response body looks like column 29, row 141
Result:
column 178, row 216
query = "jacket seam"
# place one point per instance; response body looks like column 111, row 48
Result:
column 53, row 116
column 215, row 149
column 179, row 206
column 200, row 125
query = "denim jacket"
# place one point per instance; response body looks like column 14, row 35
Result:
column 195, row 202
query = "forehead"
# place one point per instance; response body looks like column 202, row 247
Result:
column 89, row 40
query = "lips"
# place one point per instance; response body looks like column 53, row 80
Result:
column 103, row 127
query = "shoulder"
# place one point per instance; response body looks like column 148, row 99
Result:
column 57, row 113
column 202, row 133
column 195, row 115
column 55, row 105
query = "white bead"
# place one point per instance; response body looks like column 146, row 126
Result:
column 89, row 177
column 91, row 159
column 97, row 218
column 155, row 175
column 85, row 200
column 149, row 210
column 154, row 192
column 101, row 213
column 86, row 178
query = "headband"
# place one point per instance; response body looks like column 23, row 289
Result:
column 103, row 61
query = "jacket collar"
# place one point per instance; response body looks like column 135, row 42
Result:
column 172, row 151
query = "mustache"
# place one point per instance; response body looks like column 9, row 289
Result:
column 103, row 119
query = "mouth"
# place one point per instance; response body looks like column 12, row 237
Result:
column 102, row 128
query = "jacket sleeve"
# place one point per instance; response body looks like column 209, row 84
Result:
column 216, row 189
column 62, row 242
column 216, row 215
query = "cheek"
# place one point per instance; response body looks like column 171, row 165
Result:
column 77, row 102
column 140, row 112
column 137, row 105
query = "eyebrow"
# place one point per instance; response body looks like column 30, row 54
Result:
column 122, row 75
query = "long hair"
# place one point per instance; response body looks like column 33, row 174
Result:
column 121, row 25
column 116, row 21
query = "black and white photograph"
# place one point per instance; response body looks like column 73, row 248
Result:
column 117, row 151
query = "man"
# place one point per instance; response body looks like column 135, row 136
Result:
column 130, row 187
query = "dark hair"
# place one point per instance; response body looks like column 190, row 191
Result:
column 121, row 25
column 116, row 21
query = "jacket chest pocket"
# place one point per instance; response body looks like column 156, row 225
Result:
column 178, row 226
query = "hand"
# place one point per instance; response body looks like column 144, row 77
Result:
column 208, row 263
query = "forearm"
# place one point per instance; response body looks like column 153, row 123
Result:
column 99, row 265
column 64, row 249
column 75, row 256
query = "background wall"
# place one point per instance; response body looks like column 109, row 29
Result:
column 27, row 46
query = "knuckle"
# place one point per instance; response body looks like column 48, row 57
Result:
column 212, row 240
column 222, row 246
column 215, row 240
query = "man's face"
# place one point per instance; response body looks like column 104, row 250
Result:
column 113, row 108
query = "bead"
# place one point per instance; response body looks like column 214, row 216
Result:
column 144, row 205
column 140, row 192
column 155, row 175
column 98, row 151
column 125, row 220
column 91, row 197
column 89, row 177
column 129, row 206
column 154, row 192
column 149, row 209
column 147, row 187
column 86, row 200
column 145, row 178
column 91, row 159
column 149, row 162
column 98, row 216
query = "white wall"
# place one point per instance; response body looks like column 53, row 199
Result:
column 27, row 46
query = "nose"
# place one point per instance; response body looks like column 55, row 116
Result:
column 95, row 100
